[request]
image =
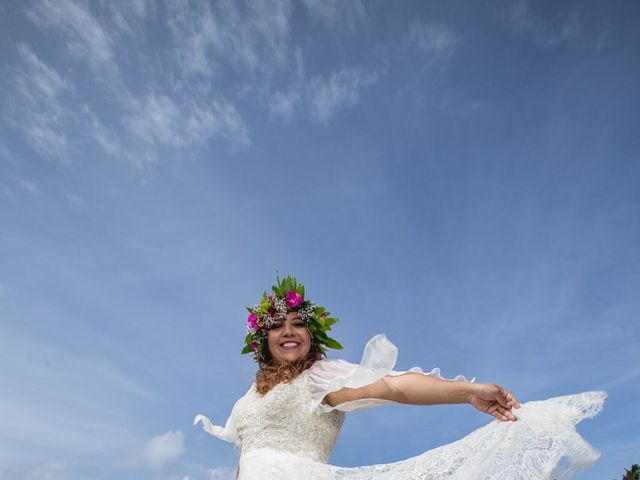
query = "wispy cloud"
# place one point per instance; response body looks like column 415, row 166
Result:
column 76, row 203
column 37, row 107
column 546, row 31
column 286, row 101
column 84, row 36
column 103, row 136
column 30, row 187
column 340, row 90
column 174, row 114
column 127, row 16
column 432, row 38
column 195, row 34
column 284, row 105
column 160, row 120
column 336, row 14
column 252, row 35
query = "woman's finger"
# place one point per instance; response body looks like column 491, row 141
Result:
column 512, row 401
column 504, row 414
column 507, row 399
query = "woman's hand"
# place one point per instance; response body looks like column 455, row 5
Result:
column 494, row 400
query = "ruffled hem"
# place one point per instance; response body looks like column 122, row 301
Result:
column 378, row 361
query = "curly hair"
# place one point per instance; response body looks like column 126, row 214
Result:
column 271, row 374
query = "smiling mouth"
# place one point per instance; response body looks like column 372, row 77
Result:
column 289, row 345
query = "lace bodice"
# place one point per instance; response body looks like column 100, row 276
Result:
column 287, row 419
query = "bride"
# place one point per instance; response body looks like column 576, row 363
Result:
column 288, row 422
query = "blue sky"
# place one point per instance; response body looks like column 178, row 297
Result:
column 462, row 176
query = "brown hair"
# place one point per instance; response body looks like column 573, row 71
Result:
column 270, row 373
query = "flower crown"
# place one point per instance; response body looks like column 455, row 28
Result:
column 287, row 295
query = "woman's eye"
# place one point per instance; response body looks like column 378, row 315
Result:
column 299, row 324
column 276, row 325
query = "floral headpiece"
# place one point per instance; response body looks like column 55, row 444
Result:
column 287, row 295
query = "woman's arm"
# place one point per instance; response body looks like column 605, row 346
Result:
column 419, row 389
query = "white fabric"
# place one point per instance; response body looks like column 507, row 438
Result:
column 378, row 360
column 287, row 434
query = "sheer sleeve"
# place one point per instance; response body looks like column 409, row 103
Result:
column 229, row 432
column 378, row 361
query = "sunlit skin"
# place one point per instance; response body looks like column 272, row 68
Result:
column 289, row 339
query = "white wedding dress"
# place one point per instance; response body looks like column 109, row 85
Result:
column 288, row 434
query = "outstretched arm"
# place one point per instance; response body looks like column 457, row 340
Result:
column 419, row 389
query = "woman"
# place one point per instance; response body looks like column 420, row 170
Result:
column 288, row 422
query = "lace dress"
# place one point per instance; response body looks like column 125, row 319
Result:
column 288, row 434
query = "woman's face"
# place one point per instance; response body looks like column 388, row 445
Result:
column 289, row 339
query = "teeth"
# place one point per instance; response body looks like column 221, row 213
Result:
column 290, row 344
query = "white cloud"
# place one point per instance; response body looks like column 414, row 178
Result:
column 547, row 32
column 48, row 140
column 37, row 107
column 127, row 15
column 337, row 14
column 432, row 38
column 30, row 187
column 176, row 113
column 252, row 35
column 85, row 38
column 284, row 105
column 195, row 33
column 103, row 136
column 341, row 90
column 44, row 79
column 164, row 449
column 76, row 203
column 158, row 119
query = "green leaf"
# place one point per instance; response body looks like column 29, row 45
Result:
column 331, row 343
column 329, row 321
column 246, row 349
column 319, row 334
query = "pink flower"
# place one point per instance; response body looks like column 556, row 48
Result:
column 254, row 346
column 293, row 299
column 252, row 320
